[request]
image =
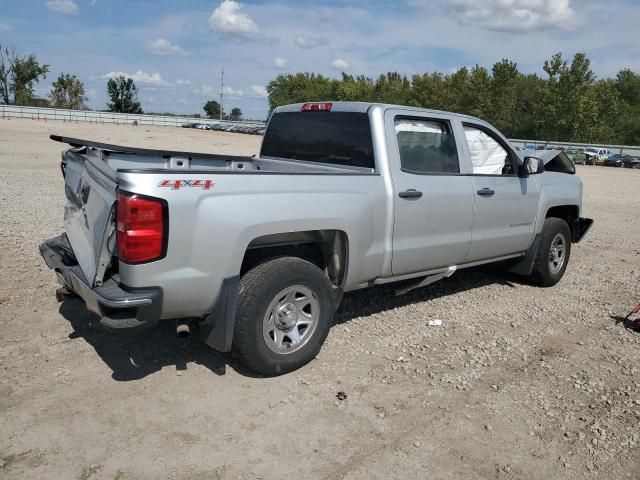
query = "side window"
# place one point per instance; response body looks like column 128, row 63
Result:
column 426, row 146
column 488, row 157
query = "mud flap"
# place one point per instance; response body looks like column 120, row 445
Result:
column 580, row 228
column 217, row 328
column 525, row 266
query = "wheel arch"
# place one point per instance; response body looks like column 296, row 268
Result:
column 328, row 249
column 568, row 213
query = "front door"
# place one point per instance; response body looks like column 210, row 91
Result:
column 434, row 203
column 505, row 204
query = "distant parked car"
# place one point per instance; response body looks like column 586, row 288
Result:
column 531, row 146
column 597, row 156
column 616, row 160
column 631, row 161
column 577, row 156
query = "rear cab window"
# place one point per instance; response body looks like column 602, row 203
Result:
column 426, row 146
column 337, row 138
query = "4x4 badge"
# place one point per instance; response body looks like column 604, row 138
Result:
column 177, row 184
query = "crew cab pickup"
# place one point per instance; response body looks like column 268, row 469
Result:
column 256, row 252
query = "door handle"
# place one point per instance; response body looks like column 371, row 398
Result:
column 84, row 193
column 486, row 192
column 411, row 193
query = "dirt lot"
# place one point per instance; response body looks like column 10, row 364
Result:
column 518, row 382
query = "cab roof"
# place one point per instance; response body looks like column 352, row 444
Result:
column 364, row 107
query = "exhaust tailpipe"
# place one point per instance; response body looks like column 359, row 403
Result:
column 183, row 330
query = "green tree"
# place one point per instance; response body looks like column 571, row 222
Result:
column 503, row 95
column 627, row 85
column 212, row 109
column 300, row 87
column 530, row 116
column 18, row 76
column 568, row 103
column 392, row 88
column 67, row 91
column 596, row 113
column 352, row 88
column 123, row 95
column 430, row 90
column 236, row 114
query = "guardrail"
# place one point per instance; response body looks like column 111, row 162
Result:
column 60, row 114
column 622, row 149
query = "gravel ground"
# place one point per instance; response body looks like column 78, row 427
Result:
column 518, row 382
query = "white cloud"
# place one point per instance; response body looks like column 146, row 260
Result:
column 162, row 46
column 68, row 7
column 339, row 64
column 230, row 22
column 5, row 27
column 280, row 62
column 183, row 82
column 259, row 90
column 514, row 15
column 206, row 91
column 141, row 78
column 310, row 41
column 231, row 91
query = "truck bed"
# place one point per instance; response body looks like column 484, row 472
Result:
column 134, row 159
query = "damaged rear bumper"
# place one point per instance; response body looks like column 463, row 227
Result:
column 119, row 307
column 580, row 228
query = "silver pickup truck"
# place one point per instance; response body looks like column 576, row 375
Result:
column 256, row 252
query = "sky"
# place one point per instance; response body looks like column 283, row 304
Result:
column 175, row 49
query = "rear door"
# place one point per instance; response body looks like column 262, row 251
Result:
column 90, row 188
column 433, row 202
column 505, row 204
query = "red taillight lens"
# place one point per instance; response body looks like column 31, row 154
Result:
column 317, row 107
column 141, row 227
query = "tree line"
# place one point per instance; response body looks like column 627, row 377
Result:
column 19, row 75
column 567, row 103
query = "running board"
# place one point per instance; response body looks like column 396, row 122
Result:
column 428, row 280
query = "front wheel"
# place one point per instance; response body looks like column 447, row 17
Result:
column 285, row 311
column 553, row 253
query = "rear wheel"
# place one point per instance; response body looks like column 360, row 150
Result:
column 553, row 253
column 285, row 311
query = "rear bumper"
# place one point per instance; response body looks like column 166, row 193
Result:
column 119, row 307
column 580, row 228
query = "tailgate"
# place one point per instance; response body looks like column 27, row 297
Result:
column 90, row 188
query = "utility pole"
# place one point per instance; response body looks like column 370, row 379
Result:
column 221, row 92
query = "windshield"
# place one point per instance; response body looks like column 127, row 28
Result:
column 340, row 138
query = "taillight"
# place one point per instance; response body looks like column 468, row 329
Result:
column 317, row 107
column 141, row 224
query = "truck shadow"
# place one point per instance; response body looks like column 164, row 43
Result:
column 362, row 303
column 135, row 356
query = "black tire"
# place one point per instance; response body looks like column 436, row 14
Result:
column 543, row 273
column 259, row 287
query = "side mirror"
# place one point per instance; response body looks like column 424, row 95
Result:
column 531, row 165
